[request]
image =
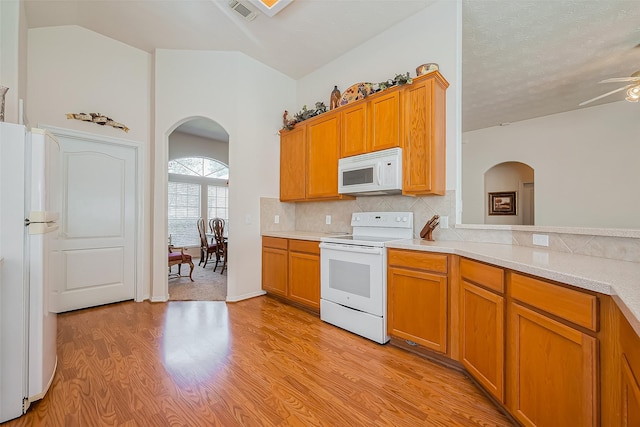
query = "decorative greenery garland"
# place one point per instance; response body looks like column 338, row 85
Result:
column 304, row 114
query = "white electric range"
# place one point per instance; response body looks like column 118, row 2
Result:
column 353, row 273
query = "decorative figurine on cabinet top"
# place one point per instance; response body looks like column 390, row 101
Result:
column 335, row 98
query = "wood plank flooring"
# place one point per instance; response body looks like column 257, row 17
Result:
column 253, row 363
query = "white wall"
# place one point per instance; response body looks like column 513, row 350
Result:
column 73, row 70
column 428, row 36
column 13, row 54
column 247, row 99
column 183, row 145
column 585, row 162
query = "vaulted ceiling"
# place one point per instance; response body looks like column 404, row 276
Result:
column 521, row 58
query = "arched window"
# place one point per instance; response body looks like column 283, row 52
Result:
column 197, row 189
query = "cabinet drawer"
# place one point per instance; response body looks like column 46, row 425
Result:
column 307, row 246
column 482, row 274
column 419, row 260
column 274, row 242
column 572, row 305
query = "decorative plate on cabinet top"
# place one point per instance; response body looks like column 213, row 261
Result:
column 355, row 92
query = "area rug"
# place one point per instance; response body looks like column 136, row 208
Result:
column 207, row 285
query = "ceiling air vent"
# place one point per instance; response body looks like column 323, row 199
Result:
column 243, row 10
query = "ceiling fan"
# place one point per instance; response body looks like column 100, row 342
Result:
column 633, row 88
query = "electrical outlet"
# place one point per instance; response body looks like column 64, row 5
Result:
column 541, row 240
column 327, row 219
column 444, row 222
column 247, row 219
column 276, row 219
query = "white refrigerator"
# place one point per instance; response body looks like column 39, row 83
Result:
column 29, row 210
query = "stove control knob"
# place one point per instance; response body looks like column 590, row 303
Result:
column 404, row 219
column 357, row 218
column 397, row 219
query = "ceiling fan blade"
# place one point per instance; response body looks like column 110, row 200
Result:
column 621, row 79
column 603, row 95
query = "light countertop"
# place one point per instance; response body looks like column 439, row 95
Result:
column 620, row 279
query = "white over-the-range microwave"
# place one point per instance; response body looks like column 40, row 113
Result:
column 371, row 174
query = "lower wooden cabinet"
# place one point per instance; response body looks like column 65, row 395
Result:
column 482, row 337
column 275, row 265
column 304, row 272
column 417, row 299
column 291, row 269
column 553, row 372
column 630, row 404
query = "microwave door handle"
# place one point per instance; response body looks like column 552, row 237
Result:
column 378, row 173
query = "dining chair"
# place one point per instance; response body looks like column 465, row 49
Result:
column 206, row 249
column 178, row 257
column 221, row 243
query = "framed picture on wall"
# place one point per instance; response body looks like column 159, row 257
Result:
column 503, row 203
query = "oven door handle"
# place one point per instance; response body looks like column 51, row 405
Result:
column 352, row 248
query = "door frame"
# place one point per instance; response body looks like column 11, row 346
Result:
column 138, row 287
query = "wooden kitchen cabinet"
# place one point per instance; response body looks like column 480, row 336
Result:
column 293, row 155
column 275, row 265
column 323, row 151
column 417, row 298
column 372, row 125
column 309, row 160
column 552, row 376
column 291, row 270
column 630, row 373
column 355, row 130
column 482, row 319
column 424, row 149
column 304, row 272
column 384, row 122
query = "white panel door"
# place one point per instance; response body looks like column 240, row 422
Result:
column 98, row 222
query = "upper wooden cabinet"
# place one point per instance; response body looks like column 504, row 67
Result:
column 323, row 151
column 372, row 125
column 293, row 169
column 384, row 122
column 409, row 116
column 309, row 160
column 424, row 149
column 355, row 130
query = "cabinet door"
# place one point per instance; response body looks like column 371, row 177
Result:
column 293, row 164
column 424, row 158
column 323, row 150
column 274, row 270
column 482, row 337
column 354, row 130
column 385, row 122
column 304, row 279
column 417, row 307
column 630, row 396
column 552, row 374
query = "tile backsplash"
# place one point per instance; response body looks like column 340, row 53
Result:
column 311, row 216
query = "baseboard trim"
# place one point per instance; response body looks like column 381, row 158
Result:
column 245, row 296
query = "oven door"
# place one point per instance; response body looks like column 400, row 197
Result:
column 354, row 276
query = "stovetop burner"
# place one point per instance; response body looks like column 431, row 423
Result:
column 376, row 228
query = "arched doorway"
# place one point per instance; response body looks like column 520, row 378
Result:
column 511, row 185
column 197, row 187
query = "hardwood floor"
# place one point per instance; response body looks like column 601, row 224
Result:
column 253, row 363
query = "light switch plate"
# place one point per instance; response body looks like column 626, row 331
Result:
column 541, row 240
column 276, row 219
column 327, row 220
